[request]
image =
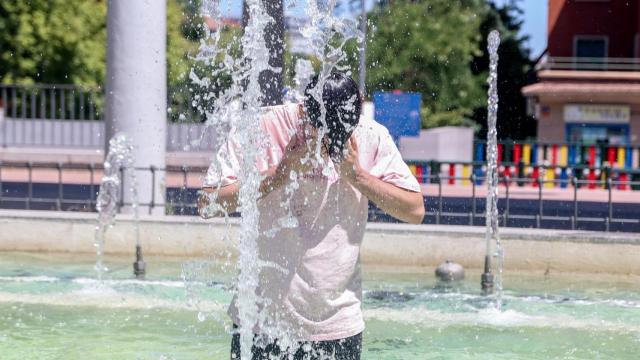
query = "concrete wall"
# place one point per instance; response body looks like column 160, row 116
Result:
column 551, row 127
column 89, row 134
column 448, row 143
column 384, row 244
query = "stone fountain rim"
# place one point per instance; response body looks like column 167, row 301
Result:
column 448, row 231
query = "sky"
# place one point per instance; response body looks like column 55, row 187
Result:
column 535, row 23
column 535, row 18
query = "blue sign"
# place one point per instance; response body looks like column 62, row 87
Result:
column 399, row 112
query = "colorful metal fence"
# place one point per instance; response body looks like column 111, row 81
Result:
column 565, row 154
column 554, row 165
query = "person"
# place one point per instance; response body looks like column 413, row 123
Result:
column 312, row 286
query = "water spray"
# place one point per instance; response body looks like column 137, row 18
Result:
column 119, row 159
column 488, row 280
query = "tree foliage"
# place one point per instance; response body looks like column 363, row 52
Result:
column 53, row 41
column 438, row 48
column 515, row 70
column 435, row 47
column 64, row 41
column 427, row 46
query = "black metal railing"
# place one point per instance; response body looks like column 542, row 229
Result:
column 74, row 187
column 74, row 102
column 51, row 102
column 70, row 116
column 67, row 187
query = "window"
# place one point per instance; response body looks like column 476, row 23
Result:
column 590, row 46
column 598, row 133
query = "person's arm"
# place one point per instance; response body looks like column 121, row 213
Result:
column 402, row 204
column 227, row 196
column 274, row 177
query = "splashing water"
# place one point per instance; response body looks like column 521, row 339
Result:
column 238, row 108
column 304, row 73
column 492, row 235
column 118, row 160
column 235, row 111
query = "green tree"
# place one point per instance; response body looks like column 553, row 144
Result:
column 64, row 41
column 53, row 41
column 184, row 26
column 427, row 46
column 515, row 70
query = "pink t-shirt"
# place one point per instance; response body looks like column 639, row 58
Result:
column 313, row 285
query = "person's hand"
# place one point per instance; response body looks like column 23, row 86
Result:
column 350, row 167
column 204, row 202
column 297, row 157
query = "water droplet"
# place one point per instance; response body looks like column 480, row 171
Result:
column 201, row 316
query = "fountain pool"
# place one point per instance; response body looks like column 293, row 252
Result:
column 51, row 307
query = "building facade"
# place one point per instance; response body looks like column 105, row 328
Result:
column 589, row 79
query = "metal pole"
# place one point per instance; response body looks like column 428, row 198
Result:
column 609, row 204
column 574, row 223
column 1, row 189
column 473, row 199
column 505, row 221
column 91, row 186
column 136, row 91
column 29, row 185
column 60, row 187
column 439, row 199
column 540, row 208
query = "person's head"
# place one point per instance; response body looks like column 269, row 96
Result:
column 341, row 99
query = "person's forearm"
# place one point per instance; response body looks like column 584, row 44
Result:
column 273, row 179
column 402, row 204
column 228, row 196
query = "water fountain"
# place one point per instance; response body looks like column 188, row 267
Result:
column 49, row 310
column 117, row 165
column 489, row 281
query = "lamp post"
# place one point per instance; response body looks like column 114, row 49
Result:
column 136, row 99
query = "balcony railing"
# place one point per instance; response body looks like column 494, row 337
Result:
column 589, row 63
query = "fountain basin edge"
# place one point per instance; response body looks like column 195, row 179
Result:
column 384, row 244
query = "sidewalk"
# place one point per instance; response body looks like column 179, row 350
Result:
column 196, row 162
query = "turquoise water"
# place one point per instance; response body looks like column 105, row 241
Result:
column 51, row 308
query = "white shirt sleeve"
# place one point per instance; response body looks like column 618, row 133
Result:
column 390, row 167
